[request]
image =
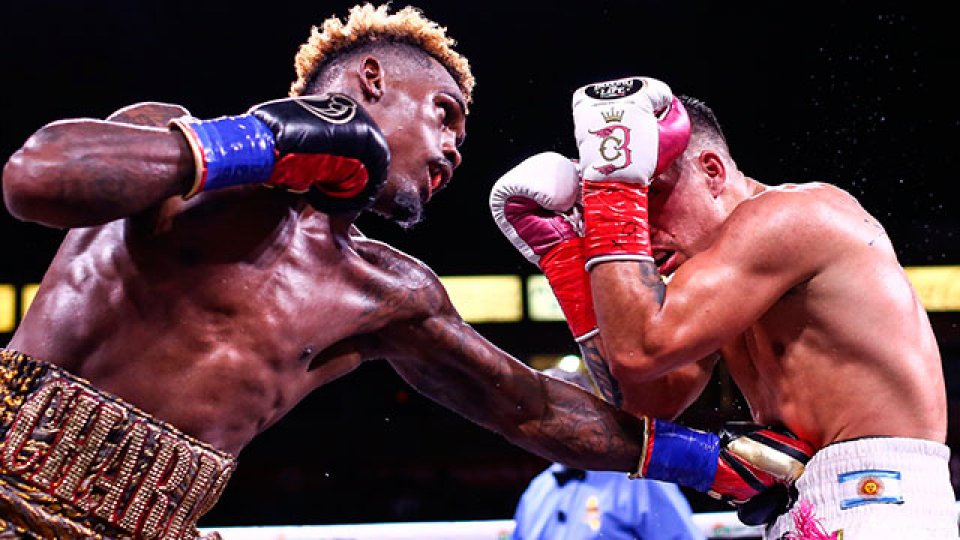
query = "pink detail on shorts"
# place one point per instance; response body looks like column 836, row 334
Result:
column 807, row 524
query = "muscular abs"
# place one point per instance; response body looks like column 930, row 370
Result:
column 827, row 383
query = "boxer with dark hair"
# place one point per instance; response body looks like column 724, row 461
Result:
column 796, row 286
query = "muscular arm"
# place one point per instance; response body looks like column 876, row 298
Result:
column 78, row 173
column 664, row 397
column 651, row 329
column 446, row 360
column 433, row 349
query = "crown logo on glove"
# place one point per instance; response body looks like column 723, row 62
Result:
column 612, row 115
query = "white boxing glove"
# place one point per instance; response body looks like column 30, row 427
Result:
column 528, row 203
column 535, row 206
column 628, row 130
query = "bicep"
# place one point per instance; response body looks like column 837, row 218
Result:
column 151, row 113
column 83, row 172
column 720, row 292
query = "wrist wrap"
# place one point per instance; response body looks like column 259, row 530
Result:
column 677, row 454
column 228, row 151
column 615, row 222
column 563, row 267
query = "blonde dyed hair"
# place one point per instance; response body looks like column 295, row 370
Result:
column 368, row 24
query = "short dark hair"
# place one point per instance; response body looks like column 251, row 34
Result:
column 704, row 127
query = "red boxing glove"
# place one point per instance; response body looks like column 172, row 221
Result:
column 753, row 459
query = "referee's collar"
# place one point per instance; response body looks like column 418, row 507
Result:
column 563, row 474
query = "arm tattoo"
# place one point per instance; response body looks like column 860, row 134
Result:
column 651, row 279
column 581, row 430
column 451, row 364
column 600, row 373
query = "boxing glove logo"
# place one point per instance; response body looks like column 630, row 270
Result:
column 333, row 108
column 614, row 89
column 614, row 143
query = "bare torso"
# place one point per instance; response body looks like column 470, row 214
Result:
column 847, row 352
column 219, row 317
column 219, row 314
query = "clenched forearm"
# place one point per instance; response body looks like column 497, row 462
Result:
column 88, row 172
column 591, row 350
column 664, row 397
column 627, row 297
column 446, row 360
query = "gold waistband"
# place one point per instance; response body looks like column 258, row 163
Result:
column 101, row 455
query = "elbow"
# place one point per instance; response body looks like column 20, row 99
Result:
column 631, row 367
column 631, row 362
column 17, row 193
column 25, row 181
column 640, row 362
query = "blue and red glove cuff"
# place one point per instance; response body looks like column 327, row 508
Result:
column 680, row 455
column 228, row 151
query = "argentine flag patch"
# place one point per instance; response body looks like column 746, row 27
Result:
column 872, row 486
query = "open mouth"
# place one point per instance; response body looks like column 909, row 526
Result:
column 665, row 260
column 439, row 176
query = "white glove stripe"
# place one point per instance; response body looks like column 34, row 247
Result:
column 609, row 258
column 588, row 335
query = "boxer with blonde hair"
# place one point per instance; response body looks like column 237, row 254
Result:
column 189, row 308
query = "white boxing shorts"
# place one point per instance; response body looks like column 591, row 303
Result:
column 874, row 488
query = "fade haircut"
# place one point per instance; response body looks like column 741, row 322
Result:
column 705, row 130
column 369, row 28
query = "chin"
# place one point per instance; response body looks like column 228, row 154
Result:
column 404, row 208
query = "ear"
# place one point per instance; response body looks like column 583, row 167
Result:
column 370, row 75
column 714, row 171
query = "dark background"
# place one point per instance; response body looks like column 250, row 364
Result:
column 855, row 93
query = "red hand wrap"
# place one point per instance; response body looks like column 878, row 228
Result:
column 615, row 221
column 335, row 176
column 563, row 267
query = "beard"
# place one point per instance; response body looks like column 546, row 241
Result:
column 406, row 209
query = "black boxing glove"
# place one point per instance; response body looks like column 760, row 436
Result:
column 325, row 146
column 767, row 505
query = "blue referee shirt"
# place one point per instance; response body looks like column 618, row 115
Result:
column 601, row 504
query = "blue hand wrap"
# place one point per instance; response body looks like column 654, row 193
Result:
column 683, row 456
column 234, row 150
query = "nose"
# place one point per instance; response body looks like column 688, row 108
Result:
column 448, row 145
